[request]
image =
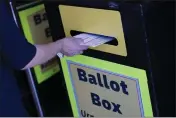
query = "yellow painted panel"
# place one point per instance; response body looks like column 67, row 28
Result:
column 96, row 21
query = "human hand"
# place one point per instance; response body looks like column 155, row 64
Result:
column 71, row 46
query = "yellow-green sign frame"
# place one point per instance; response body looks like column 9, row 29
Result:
column 23, row 14
column 138, row 74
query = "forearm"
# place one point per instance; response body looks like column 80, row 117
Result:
column 44, row 53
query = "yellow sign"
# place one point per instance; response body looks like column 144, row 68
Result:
column 36, row 29
column 96, row 21
column 104, row 89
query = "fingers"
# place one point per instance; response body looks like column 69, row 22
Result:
column 74, row 53
column 72, row 46
column 84, row 47
column 77, row 53
column 79, row 42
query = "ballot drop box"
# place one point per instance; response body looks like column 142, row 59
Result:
column 113, row 79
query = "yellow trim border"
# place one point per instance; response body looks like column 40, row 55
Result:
column 139, row 74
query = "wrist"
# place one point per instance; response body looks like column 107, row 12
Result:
column 58, row 46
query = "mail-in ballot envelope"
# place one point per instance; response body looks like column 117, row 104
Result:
column 93, row 40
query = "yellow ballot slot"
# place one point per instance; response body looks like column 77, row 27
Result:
column 95, row 21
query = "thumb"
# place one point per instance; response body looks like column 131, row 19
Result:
column 79, row 40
